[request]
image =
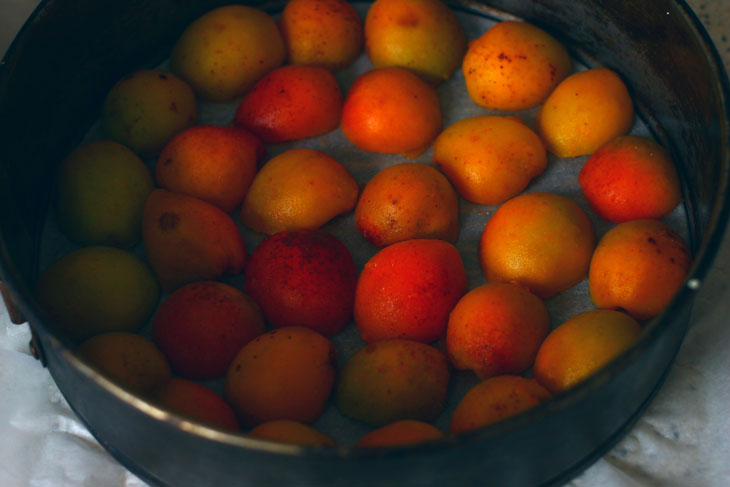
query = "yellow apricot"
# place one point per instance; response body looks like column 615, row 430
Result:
column 582, row 345
column 586, row 110
column 300, row 188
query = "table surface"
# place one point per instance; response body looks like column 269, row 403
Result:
column 682, row 439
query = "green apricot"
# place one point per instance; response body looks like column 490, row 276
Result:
column 145, row 109
column 391, row 380
column 101, row 189
column 98, row 289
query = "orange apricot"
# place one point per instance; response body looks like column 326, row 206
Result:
column 215, row 164
column 201, row 327
column 303, row 277
column 403, row 432
column 187, row 239
column 408, row 289
column 489, row 159
column 196, row 401
column 542, row 241
column 391, row 111
column 287, row 373
column 394, row 379
column 496, row 329
column 582, row 345
column 288, row 431
column 299, row 188
column 514, row 66
column 406, row 201
column 424, row 36
column 129, row 359
column 327, row 33
column 290, row 103
column 586, row 110
column 629, row 178
column 496, row 399
column 638, row 266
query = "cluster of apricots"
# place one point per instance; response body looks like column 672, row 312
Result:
column 158, row 211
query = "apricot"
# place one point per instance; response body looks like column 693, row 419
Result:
column 638, row 267
column 326, row 33
column 287, row 373
column 403, row 432
column 586, row 110
column 630, row 178
column 288, row 431
column 214, row 164
column 407, row 201
column 489, row 159
column 101, row 187
column 187, row 239
column 303, row 277
column 423, row 36
column 299, row 188
column 129, row 359
column 145, row 109
column 394, row 379
column 98, row 289
column 290, row 103
column 582, row 345
column 391, row 111
column 197, row 402
column 496, row 399
column 514, row 66
column 408, row 289
column 496, row 329
column 225, row 51
column 201, row 327
column 542, row 241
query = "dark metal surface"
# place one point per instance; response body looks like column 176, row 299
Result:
column 51, row 86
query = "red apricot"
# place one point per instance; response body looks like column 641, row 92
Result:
column 305, row 278
column 201, row 327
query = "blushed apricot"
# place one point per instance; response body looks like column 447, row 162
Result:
column 496, row 399
column 299, row 188
column 637, row 267
column 303, row 277
column 215, row 164
column 586, row 110
column 407, row 201
column 496, row 329
column 408, row 289
column 391, row 111
column 629, row 178
column 327, row 33
column 201, row 327
column 403, row 432
column 187, row 239
column 489, row 159
column 287, row 373
column 542, row 241
column 288, row 431
column 196, row 401
column 129, row 359
column 290, row 103
column 422, row 35
column 226, row 50
column 395, row 379
column 514, row 66
column 582, row 345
